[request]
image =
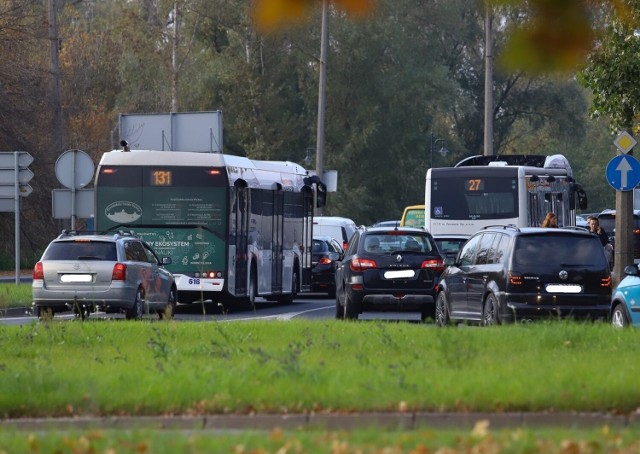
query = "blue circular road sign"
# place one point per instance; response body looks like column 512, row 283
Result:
column 623, row 173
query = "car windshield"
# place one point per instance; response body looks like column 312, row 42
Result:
column 533, row 251
column 81, row 250
column 385, row 243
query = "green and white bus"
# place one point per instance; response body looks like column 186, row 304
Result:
column 234, row 228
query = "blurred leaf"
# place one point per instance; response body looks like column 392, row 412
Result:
column 271, row 14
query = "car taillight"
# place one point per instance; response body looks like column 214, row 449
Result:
column 605, row 282
column 38, row 271
column 119, row 272
column 325, row 261
column 515, row 279
column 436, row 265
column 362, row 264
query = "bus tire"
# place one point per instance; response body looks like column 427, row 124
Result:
column 253, row 287
column 288, row 299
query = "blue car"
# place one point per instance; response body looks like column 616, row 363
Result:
column 625, row 302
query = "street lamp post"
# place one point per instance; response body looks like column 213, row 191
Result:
column 434, row 143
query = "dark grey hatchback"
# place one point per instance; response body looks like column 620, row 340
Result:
column 388, row 269
column 508, row 274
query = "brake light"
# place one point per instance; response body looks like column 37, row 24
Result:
column 362, row 264
column 325, row 261
column 605, row 282
column 515, row 279
column 38, row 271
column 436, row 265
column 119, row 272
column 345, row 245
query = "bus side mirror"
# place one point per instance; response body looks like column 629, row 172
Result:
column 321, row 195
column 582, row 198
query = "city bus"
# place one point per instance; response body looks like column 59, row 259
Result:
column 501, row 190
column 234, row 228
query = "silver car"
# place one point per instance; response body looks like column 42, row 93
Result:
column 113, row 273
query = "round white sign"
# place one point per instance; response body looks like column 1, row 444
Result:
column 74, row 169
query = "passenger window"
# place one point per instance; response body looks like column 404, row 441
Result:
column 135, row 252
column 501, row 246
column 468, row 252
column 484, row 250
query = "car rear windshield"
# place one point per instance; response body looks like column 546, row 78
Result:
column 547, row 251
column 320, row 246
column 401, row 242
column 81, row 250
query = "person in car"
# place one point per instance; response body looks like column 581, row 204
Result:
column 550, row 220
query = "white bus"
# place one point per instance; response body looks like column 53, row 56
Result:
column 234, row 228
column 501, row 190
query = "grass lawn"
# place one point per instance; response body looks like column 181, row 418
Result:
column 128, row 368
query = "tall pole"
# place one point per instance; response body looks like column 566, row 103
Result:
column 431, row 148
column 488, row 82
column 58, row 125
column 322, row 84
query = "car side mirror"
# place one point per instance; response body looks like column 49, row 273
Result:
column 334, row 256
column 631, row 270
column 166, row 261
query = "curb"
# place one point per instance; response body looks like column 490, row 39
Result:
column 389, row 421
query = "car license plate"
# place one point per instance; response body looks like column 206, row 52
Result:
column 75, row 278
column 399, row 274
column 564, row 288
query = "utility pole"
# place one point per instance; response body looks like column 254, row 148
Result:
column 488, row 81
column 57, row 121
column 322, row 85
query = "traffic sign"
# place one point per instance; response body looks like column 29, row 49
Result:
column 8, row 160
column 10, row 191
column 8, row 176
column 624, row 142
column 74, row 169
column 623, row 173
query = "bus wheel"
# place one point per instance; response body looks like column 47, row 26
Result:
column 288, row 299
column 253, row 288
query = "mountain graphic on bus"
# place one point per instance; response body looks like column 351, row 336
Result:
column 123, row 212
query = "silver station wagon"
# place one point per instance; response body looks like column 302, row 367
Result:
column 113, row 273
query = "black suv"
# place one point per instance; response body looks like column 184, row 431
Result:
column 508, row 274
column 388, row 269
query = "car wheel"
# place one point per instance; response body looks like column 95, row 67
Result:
column 442, row 310
column 490, row 312
column 135, row 313
column 619, row 317
column 350, row 312
column 339, row 309
column 170, row 308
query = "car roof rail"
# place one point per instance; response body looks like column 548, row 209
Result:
column 575, row 227
column 503, row 227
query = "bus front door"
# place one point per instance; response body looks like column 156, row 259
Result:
column 277, row 237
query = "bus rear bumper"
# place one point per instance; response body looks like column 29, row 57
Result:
column 195, row 284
